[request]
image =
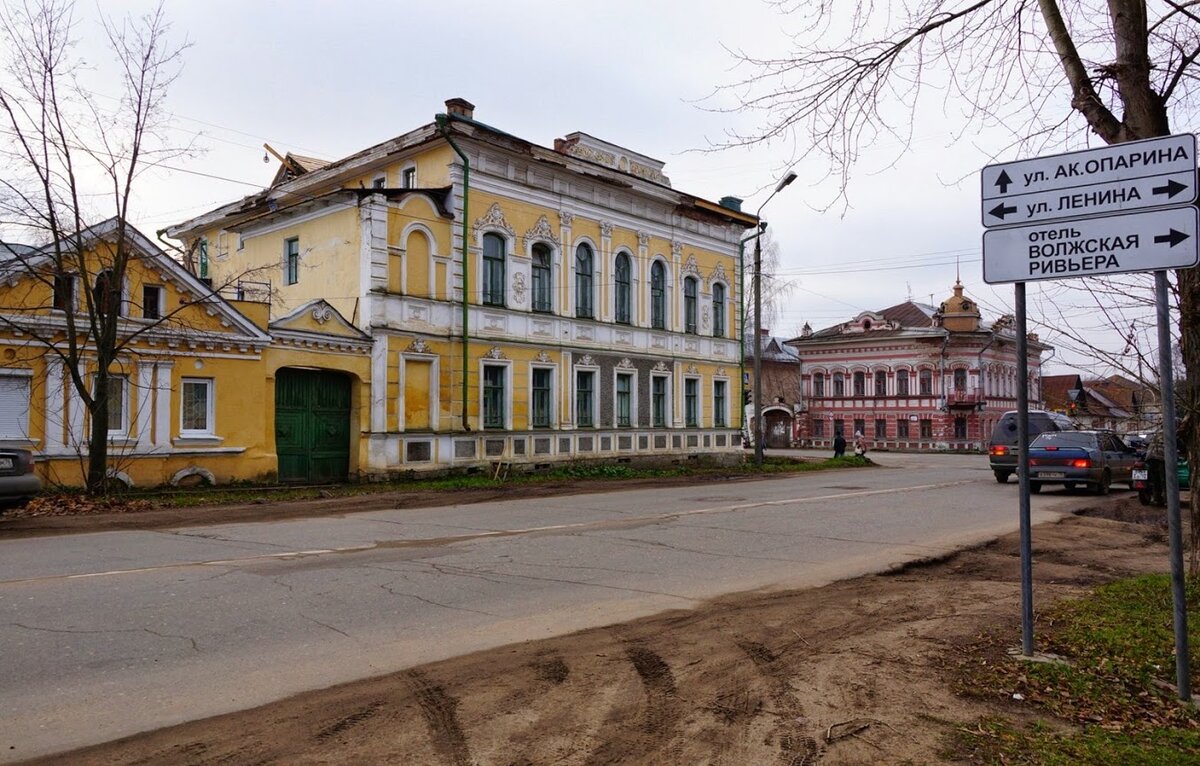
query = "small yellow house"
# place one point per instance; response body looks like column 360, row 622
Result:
column 521, row 303
column 194, row 389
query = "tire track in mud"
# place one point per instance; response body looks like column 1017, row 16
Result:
column 796, row 748
column 349, row 721
column 440, row 711
column 653, row 728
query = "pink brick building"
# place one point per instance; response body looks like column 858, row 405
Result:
column 912, row 377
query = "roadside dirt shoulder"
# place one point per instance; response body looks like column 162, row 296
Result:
column 12, row 528
column 856, row 672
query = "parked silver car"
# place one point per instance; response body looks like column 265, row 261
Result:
column 18, row 481
column 1096, row 459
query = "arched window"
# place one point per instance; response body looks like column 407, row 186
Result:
column 839, row 384
column 925, row 377
column 493, row 270
column 107, row 294
column 541, row 277
column 881, row 383
column 860, row 384
column 960, row 380
column 718, row 310
column 818, row 384
column 689, row 305
column 623, row 282
column 583, row 281
column 658, row 296
column 902, row 383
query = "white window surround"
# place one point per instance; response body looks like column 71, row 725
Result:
column 162, row 302
column 508, row 394
column 595, row 370
column 15, row 397
column 122, row 429
column 209, row 429
column 699, row 400
column 510, row 243
column 409, row 170
column 75, row 297
column 728, row 393
column 555, row 271
column 553, row 368
column 633, row 396
column 379, row 181
column 668, row 406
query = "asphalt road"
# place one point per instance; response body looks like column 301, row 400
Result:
column 108, row 634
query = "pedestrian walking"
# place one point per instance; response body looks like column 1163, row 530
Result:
column 860, row 445
column 839, row 445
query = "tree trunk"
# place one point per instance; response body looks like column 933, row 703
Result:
column 1188, row 399
column 97, row 441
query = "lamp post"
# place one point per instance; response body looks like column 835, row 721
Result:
column 758, row 419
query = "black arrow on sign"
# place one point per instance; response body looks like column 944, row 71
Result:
column 1003, row 181
column 1175, row 237
column 1171, row 189
column 1002, row 210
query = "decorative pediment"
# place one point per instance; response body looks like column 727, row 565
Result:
column 693, row 369
column 606, row 228
column 418, row 346
column 565, row 218
column 494, row 219
column 543, row 357
column 691, row 267
column 318, row 317
column 718, row 275
column 660, row 367
column 625, row 364
column 587, row 360
column 721, row 372
column 540, row 231
column 495, row 353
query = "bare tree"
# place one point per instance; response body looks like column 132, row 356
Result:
column 71, row 161
column 1050, row 73
column 775, row 289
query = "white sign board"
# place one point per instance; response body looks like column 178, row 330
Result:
column 1115, row 244
column 1123, row 177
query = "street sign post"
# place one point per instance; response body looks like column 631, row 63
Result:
column 1113, row 244
column 1112, row 210
column 1137, row 175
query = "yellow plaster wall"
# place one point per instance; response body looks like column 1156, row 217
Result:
column 329, row 262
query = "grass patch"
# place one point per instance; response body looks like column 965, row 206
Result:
column 1114, row 696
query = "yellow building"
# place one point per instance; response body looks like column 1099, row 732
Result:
column 202, row 385
column 523, row 303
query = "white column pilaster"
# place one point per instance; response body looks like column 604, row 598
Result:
column 145, row 388
column 162, row 405
column 54, row 408
column 379, row 376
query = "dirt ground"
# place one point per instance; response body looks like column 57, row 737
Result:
column 858, row 672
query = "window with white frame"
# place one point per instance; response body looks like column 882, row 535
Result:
column 690, row 300
column 623, row 301
column 106, row 294
column 624, row 399
column 658, row 296
column 494, row 395
column 408, row 178
column 720, row 404
column 718, row 310
column 691, row 402
column 658, row 401
column 542, row 283
column 541, row 397
column 493, row 270
column 379, row 182
column 584, row 281
column 902, row 383
column 291, row 260
column 202, row 257
column 585, row 398
column 14, row 404
column 152, row 301
column 118, row 405
column 64, row 292
column 196, row 407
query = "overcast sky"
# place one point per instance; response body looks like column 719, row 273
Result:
column 329, row 78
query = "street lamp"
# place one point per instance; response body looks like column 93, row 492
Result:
column 758, row 419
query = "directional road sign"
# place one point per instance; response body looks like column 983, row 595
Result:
column 1138, row 175
column 1113, row 244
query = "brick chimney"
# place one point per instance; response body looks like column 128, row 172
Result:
column 460, row 107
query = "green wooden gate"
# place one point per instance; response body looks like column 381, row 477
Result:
column 312, row 425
